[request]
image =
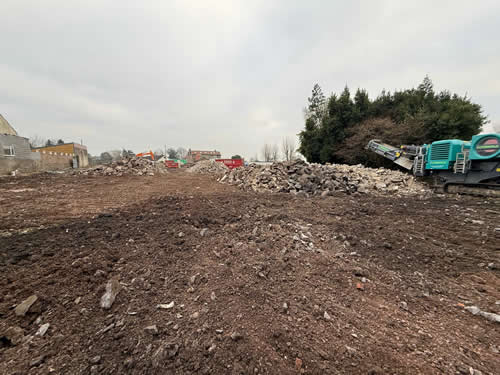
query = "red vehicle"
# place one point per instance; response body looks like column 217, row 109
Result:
column 171, row 164
column 231, row 163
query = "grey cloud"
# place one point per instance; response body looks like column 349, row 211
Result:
column 226, row 74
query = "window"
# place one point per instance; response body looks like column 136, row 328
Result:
column 9, row 151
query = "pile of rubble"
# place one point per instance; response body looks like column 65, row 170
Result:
column 208, row 166
column 133, row 166
column 299, row 177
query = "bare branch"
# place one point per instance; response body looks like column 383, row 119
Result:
column 267, row 152
column 275, row 152
column 288, row 148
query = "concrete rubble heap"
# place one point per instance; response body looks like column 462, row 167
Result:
column 133, row 166
column 301, row 178
column 208, row 166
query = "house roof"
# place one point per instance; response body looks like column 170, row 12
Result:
column 5, row 127
column 204, row 152
column 78, row 145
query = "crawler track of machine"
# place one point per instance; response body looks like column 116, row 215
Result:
column 478, row 190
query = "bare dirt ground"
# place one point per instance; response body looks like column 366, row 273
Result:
column 261, row 283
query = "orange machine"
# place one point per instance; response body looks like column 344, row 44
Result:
column 146, row 155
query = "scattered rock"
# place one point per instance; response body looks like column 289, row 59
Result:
column 113, row 287
column 37, row 361
column 165, row 352
column 42, row 330
column 95, row 360
column 166, row 306
column 212, row 296
column 203, row 232
column 100, row 273
column 298, row 364
column 13, row 335
column 324, row 355
column 358, row 271
column 350, row 350
column 327, row 316
column 129, row 362
column 192, row 279
column 152, row 329
column 24, row 306
column 474, row 310
column 285, row 307
column 235, row 336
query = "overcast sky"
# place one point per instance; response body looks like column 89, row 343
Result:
column 227, row 75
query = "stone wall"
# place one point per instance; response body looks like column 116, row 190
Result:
column 75, row 149
column 50, row 158
column 22, row 165
column 83, row 157
column 21, row 145
column 23, row 159
column 51, row 161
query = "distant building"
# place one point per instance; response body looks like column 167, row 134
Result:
column 15, row 151
column 75, row 155
column 195, row 156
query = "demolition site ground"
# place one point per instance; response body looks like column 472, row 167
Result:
column 261, row 283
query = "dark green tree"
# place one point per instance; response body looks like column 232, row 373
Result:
column 172, row 153
column 106, row 158
column 316, row 107
column 310, row 142
column 414, row 116
column 340, row 116
column 361, row 106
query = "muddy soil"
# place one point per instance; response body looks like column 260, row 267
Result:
column 260, row 283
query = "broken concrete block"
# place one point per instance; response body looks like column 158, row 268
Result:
column 113, row 287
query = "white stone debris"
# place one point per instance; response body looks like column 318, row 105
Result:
column 300, row 178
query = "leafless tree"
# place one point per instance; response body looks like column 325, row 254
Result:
column 37, row 141
column 267, row 152
column 275, row 152
column 181, row 152
column 288, row 148
column 115, row 154
column 158, row 153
